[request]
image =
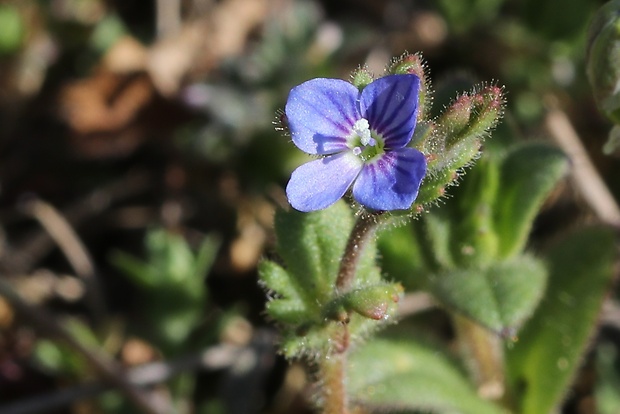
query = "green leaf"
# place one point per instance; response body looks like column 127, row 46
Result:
column 434, row 233
column 172, row 277
column 401, row 256
column 406, row 376
column 311, row 245
column 528, row 174
column 13, row 29
column 551, row 346
column 499, row 297
column 474, row 242
column 304, row 300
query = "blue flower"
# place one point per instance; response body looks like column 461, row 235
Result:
column 362, row 138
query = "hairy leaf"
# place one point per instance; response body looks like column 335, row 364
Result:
column 550, row 348
column 408, row 377
column 528, row 174
column 499, row 297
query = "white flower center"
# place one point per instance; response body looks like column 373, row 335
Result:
column 362, row 128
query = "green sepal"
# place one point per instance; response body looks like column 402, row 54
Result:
column 544, row 360
column 405, row 376
column 528, row 174
column 506, row 293
column 434, row 186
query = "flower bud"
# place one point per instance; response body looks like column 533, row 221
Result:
column 361, row 78
column 472, row 115
column 414, row 65
column 375, row 302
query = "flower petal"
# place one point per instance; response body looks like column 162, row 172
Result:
column 391, row 104
column 318, row 184
column 392, row 181
column 321, row 113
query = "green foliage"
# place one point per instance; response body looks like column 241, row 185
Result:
column 528, row 174
column 500, row 296
column 13, row 29
column 607, row 390
column 543, row 362
column 56, row 357
column 107, row 32
column 173, row 280
column 473, row 246
column 603, row 65
column 405, row 376
column 304, row 302
column 542, row 17
column 452, row 141
column 463, row 15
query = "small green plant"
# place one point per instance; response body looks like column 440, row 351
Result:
column 378, row 145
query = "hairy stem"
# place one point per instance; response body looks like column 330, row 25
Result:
column 333, row 365
column 363, row 232
column 333, row 372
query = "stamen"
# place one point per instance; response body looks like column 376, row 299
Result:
column 362, row 128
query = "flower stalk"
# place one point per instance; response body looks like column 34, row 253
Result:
column 333, row 365
column 363, row 232
column 484, row 356
column 333, row 369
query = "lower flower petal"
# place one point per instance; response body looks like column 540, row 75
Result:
column 392, row 181
column 318, row 184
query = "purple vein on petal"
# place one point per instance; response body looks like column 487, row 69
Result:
column 399, row 136
column 398, row 111
column 391, row 105
column 318, row 120
column 319, row 183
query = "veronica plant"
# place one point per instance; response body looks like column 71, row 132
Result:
column 376, row 143
column 380, row 152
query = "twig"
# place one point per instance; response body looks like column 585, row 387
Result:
column 75, row 252
column 103, row 365
column 215, row 357
column 24, row 257
column 584, row 174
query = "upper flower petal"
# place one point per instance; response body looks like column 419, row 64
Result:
column 390, row 104
column 321, row 113
column 318, row 184
column 392, row 181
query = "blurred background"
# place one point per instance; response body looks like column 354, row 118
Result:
column 140, row 170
